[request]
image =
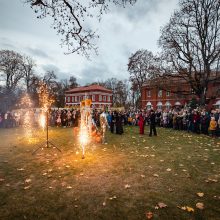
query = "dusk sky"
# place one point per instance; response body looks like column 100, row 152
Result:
column 122, row 32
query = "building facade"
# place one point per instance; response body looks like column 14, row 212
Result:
column 152, row 96
column 100, row 96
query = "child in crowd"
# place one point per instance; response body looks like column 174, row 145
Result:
column 213, row 126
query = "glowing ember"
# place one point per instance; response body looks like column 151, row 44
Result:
column 83, row 136
column 45, row 96
column 27, row 113
column 85, row 124
column 42, row 121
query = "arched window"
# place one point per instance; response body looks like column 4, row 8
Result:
column 148, row 105
column 159, row 105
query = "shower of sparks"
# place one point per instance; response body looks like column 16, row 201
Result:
column 42, row 120
column 46, row 100
column 45, row 97
column 27, row 112
column 85, row 125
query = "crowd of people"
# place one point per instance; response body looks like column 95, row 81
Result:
column 197, row 121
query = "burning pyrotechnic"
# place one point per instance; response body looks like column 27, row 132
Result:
column 45, row 97
column 28, row 114
column 84, row 137
column 42, row 120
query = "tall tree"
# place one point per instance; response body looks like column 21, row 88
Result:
column 140, row 69
column 28, row 65
column 11, row 69
column 72, row 82
column 120, row 90
column 191, row 44
column 69, row 19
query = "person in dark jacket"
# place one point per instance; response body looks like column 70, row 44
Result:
column 112, row 122
column 152, row 123
column 118, row 124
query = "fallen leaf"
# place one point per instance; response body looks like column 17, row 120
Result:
column 104, row 203
column 156, row 175
column 20, row 169
column 27, row 187
column 168, row 169
column 186, row 208
column 211, row 180
column 27, row 180
column 200, row 194
column 161, row 205
column 149, row 215
column 142, row 176
column 127, row 186
column 200, row 205
column 69, row 187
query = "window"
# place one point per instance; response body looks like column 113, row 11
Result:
column 148, row 93
column 149, row 105
column 168, row 105
column 109, row 98
column 159, row 105
column 100, row 97
column 104, row 98
column 168, row 93
column 160, row 93
column 93, row 97
column 68, row 99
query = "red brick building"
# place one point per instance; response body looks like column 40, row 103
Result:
column 99, row 95
column 152, row 96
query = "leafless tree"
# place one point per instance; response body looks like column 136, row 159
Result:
column 72, row 82
column 11, row 69
column 28, row 65
column 140, row 69
column 120, row 91
column 70, row 20
column 191, row 44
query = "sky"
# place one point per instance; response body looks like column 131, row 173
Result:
column 122, row 31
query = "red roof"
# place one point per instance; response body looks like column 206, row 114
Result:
column 89, row 88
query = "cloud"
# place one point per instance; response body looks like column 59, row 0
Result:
column 122, row 32
column 37, row 52
column 7, row 44
column 94, row 72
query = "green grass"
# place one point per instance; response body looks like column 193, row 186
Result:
column 64, row 186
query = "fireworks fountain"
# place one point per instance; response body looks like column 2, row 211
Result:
column 26, row 106
column 85, row 124
column 88, row 130
column 46, row 101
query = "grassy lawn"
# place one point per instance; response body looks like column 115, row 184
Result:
column 123, row 179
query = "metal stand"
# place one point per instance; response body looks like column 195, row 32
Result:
column 48, row 143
